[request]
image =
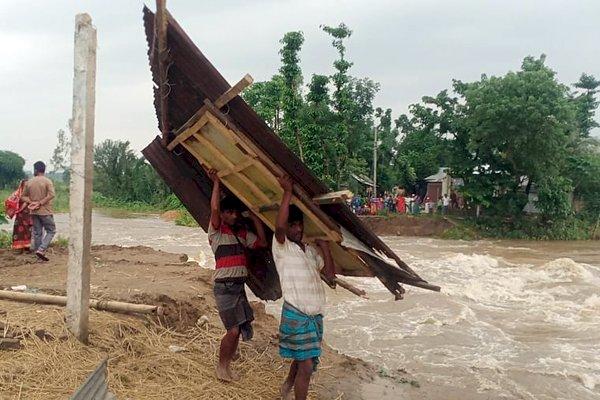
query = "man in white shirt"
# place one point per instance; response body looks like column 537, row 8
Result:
column 446, row 203
column 299, row 267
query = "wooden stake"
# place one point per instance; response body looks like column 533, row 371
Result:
column 82, row 149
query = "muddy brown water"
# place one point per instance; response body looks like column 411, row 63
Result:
column 514, row 320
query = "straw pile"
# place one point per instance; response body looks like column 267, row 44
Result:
column 141, row 364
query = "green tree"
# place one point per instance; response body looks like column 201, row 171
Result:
column 317, row 126
column 352, row 102
column 121, row 175
column 11, row 168
column 292, row 101
column 586, row 103
column 266, row 99
column 114, row 162
column 61, row 156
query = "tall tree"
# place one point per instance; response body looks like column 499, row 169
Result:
column 266, row 99
column 292, row 102
column 317, row 126
column 61, row 156
column 586, row 103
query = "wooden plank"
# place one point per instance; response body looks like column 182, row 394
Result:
column 192, row 121
column 333, row 197
column 234, row 91
column 257, row 191
column 231, row 188
column 80, row 192
column 238, row 168
column 163, row 55
column 272, row 170
column 198, row 124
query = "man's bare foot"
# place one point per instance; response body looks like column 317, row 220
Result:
column 223, row 374
column 233, row 375
column 226, row 374
column 286, row 391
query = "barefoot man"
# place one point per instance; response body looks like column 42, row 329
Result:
column 299, row 266
column 228, row 241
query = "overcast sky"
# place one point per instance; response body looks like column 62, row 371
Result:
column 412, row 48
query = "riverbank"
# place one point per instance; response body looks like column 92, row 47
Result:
column 460, row 228
column 149, row 369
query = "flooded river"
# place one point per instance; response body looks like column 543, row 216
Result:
column 514, row 320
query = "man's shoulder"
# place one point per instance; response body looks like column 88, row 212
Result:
column 40, row 180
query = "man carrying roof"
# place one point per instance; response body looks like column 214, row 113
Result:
column 299, row 267
column 228, row 242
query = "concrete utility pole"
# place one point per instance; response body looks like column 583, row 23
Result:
column 80, row 200
column 375, row 162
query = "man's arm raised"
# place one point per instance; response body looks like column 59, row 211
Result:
column 284, row 209
column 215, row 199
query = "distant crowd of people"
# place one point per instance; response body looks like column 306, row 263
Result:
column 405, row 204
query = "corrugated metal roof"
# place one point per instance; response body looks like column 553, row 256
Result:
column 192, row 79
column 95, row 386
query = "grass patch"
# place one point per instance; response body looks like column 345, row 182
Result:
column 101, row 201
column 5, row 239
column 461, row 231
column 185, row 219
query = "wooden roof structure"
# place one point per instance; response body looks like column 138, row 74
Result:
column 206, row 124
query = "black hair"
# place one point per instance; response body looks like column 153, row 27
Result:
column 230, row 203
column 39, row 167
column 295, row 215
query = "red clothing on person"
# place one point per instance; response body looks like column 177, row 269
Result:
column 400, row 204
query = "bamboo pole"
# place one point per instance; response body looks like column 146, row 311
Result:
column 103, row 305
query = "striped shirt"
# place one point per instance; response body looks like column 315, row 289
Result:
column 230, row 257
column 299, row 273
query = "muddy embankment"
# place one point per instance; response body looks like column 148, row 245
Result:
column 139, row 349
column 407, row 225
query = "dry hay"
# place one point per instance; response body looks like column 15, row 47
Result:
column 140, row 365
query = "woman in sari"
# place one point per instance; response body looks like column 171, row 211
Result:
column 400, row 204
column 23, row 221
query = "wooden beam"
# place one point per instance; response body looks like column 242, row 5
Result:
column 160, row 24
column 351, row 288
column 234, row 91
column 267, row 207
column 192, row 121
column 80, row 191
column 238, row 168
column 232, row 189
column 272, row 170
column 182, row 137
column 333, row 197
column 211, row 147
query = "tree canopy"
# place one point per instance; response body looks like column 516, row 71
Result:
column 506, row 136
